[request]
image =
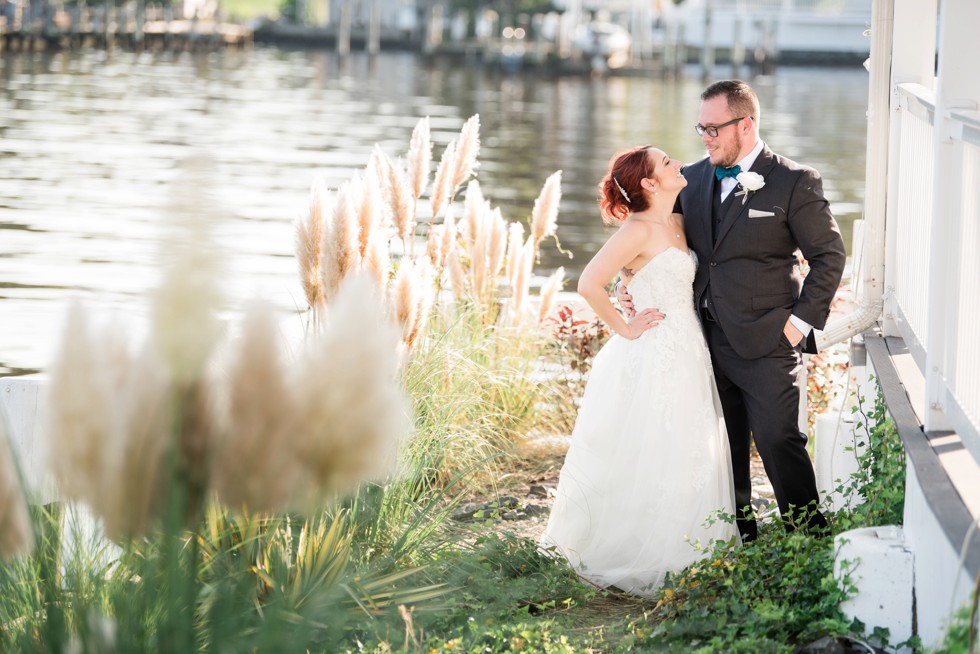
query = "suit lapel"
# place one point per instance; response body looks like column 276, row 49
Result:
column 737, row 208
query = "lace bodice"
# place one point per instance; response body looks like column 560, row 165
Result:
column 665, row 283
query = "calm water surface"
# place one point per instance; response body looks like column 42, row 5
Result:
column 100, row 154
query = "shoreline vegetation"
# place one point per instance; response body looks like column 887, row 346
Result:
column 266, row 496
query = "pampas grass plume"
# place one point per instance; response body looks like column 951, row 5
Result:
column 351, row 412
column 109, row 427
column 369, row 215
column 434, row 246
column 515, row 236
column 419, row 158
column 522, row 280
column 457, row 277
column 548, row 293
column 377, row 259
column 131, row 480
column 473, row 209
column 442, row 189
column 544, row 216
column 448, row 236
column 405, row 296
column 478, row 261
column 185, row 328
column 82, row 407
column 468, row 151
column 399, row 195
column 134, row 495
column 258, row 439
column 497, row 248
column 344, row 248
column 309, row 238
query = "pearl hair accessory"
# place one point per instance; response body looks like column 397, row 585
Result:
column 621, row 190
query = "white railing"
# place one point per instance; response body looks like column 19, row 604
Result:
column 962, row 335
column 911, row 221
column 913, row 215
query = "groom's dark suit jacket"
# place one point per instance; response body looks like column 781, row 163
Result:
column 755, row 281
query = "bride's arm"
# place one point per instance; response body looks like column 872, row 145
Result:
column 624, row 246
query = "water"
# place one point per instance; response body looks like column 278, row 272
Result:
column 102, row 153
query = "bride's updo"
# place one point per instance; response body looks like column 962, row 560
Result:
column 620, row 193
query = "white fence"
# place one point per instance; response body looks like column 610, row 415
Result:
column 912, row 217
column 915, row 258
column 961, row 351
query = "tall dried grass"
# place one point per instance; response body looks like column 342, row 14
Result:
column 109, row 421
column 479, row 257
column 259, row 435
column 132, row 432
column 351, row 413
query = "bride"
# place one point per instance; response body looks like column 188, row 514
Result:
column 649, row 461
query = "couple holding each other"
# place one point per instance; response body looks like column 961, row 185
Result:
column 718, row 317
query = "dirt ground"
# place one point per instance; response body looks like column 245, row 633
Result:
column 523, row 493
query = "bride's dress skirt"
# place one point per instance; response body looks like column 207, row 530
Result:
column 649, row 466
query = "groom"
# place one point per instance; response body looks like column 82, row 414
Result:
column 758, row 313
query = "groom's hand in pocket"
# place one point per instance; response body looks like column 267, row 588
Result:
column 792, row 333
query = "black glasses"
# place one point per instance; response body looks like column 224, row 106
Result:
column 712, row 130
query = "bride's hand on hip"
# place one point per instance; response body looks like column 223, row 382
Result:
column 641, row 322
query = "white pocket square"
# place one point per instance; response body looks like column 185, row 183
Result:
column 755, row 213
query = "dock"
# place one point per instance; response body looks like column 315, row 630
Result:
column 156, row 29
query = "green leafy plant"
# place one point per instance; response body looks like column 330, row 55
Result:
column 760, row 597
column 879, row 482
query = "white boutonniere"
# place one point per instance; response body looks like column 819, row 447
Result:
column 749, row 183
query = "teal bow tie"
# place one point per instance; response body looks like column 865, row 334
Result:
column 722, row 172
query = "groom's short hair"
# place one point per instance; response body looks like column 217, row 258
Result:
column 742, row 100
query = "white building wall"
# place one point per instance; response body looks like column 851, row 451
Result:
column 941, row 583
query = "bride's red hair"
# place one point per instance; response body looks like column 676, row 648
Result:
column 626, row 170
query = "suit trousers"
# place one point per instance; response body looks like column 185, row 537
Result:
column 761, row 400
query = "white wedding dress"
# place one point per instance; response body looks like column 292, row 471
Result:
column 649, row 462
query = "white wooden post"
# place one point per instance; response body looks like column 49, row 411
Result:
column 911, row 62
column 373, row 42
column 957, row 87
column 22, row 405
column 343, row 30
